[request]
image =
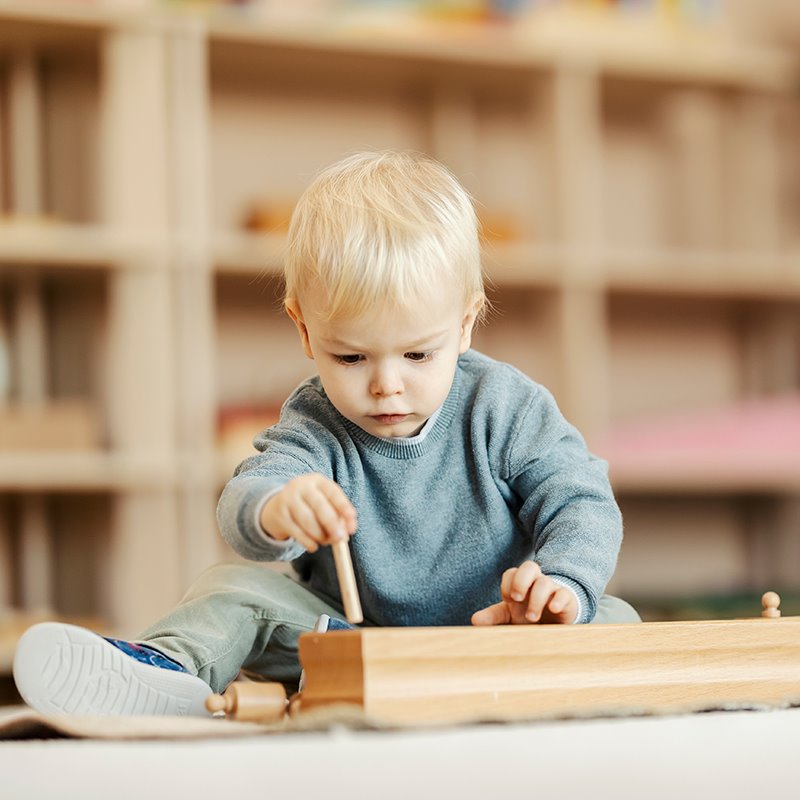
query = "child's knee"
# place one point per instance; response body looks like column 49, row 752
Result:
column 615, row 611
column 233, row 578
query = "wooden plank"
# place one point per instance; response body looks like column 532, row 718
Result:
column 135, row 196
column 193, row 310
column 616, row 49
column 581, row 329
column 446, row 675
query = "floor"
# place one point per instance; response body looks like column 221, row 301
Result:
column 738, row 754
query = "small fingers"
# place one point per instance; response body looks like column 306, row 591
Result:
column 290, row 527
column 341, row 507
column 324, row 523
column 497, row 614
column 516, row 583
column 549, row 599
column 311, row 509
column 560, row 600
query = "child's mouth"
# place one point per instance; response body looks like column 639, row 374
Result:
column 390, row 419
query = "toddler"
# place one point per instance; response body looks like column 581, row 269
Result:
column 464, row 494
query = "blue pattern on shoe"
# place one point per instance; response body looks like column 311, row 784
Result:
column 339, row 625
column 326, row 623
column 146, row 655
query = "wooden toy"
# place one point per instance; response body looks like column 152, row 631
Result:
column 347, row 582
column 445, row 675
column 250, row 702
column 449, row 675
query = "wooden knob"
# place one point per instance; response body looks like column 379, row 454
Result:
column 250, row 702
column 770, row 602
column 218, row 702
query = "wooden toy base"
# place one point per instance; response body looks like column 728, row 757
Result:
column 448, row 675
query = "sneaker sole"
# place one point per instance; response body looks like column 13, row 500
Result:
column 64, row 669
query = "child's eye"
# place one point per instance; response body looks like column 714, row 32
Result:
column 348, row 359
column 419, row 357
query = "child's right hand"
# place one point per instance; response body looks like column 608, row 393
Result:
column 311, row 509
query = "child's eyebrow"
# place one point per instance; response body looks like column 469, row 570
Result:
column 415, row 345
column 426, row 340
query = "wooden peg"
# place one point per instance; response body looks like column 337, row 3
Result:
column 347, row 582
column 294, row 706
column 770, row 602
column 250, row 702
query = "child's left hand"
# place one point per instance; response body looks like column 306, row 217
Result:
column 529, row 596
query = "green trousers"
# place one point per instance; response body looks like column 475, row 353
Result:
column 247, row 618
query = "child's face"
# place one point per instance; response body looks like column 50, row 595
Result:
column 389, row 370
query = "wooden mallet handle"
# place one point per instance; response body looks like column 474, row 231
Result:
column 347, row 582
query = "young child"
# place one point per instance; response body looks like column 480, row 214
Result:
column 464, row 494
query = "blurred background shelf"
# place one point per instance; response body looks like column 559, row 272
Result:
column 53, row 245
column 249, row 253
column 638, row 181
column 61, row 471
column 640, row 49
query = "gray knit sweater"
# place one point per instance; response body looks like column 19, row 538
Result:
column 499, row 478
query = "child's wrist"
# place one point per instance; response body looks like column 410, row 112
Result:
column 261, row 522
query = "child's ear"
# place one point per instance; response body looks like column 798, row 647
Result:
column 293, row 310
column 468, row 322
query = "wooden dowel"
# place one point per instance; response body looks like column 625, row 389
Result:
column 250, row 702
column 347, row 582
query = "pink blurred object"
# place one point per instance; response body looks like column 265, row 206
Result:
column 754, row 446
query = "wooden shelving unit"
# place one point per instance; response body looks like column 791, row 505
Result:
column 640, row 197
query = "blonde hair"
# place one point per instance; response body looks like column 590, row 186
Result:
column 382, row 227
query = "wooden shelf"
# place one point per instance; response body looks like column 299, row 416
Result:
column 50, row 23
column 690, row 473
column 564, row 127
column 529, row 265
column 508, row 264
column 83, row 471
column 520, row 264
column 65, row 15
column 62, row 245
column 249, row 253
column 663, row 53
column 708, row 274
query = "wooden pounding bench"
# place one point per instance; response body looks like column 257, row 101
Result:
column 459, row 674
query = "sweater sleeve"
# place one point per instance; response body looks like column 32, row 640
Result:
column 292, row 447
column 238, row 512
column 567, row 505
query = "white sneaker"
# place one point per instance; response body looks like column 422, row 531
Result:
column 64, row 669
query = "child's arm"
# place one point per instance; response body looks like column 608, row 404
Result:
column 529, row 596
column 311, row 509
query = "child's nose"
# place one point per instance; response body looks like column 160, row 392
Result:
column 385, row 381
